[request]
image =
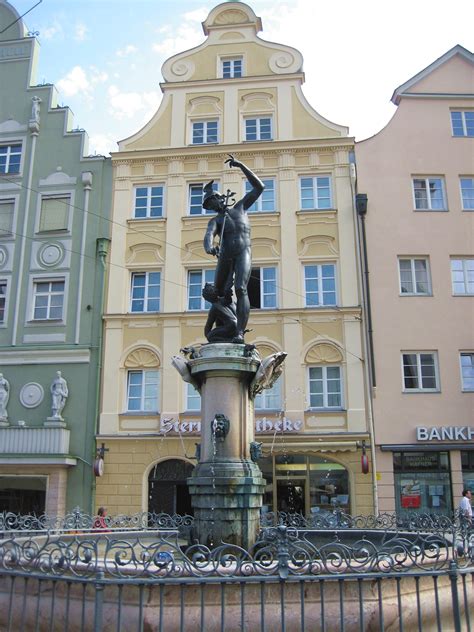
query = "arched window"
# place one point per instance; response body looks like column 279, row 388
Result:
column 168, row 488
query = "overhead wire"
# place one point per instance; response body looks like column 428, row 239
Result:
column 161, row 241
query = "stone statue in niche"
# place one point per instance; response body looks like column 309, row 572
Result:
column 4, row 397
column 268, row 372
column 59, row 395
column 35, row 109
column 233, row 251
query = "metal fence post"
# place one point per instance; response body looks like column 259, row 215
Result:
column 453, row 576
column 99, row 602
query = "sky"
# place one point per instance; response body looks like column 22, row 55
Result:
column 105, row 56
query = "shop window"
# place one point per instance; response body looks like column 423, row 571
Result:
column 310, row 485
column 467, row 465
column 422, row 483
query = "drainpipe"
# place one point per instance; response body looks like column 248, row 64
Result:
column 102, row 251
column 361, row 208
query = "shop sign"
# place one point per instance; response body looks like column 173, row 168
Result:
column 278, row 425
column 444, row 433
column 263, row 424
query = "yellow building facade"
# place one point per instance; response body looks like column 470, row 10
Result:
column 237, row 94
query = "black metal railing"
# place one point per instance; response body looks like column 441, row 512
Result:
column 353, row 573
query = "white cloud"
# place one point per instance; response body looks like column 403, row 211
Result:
column 53, row 30
column 80, row 33
column 186, row 36
column 79, row 81
column 128, row 50
column 102, row 144
column 128, row 104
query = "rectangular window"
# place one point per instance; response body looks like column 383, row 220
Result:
column 54, row 213
column 204, row 132
column 467, row 371
column 10, row 158
column 414, row 277
column 462, row 276
column 420, row 372
column 142, row 391
column 196, row 281
column 148, row 201
column 193, row 398
column 262, row 289
column 266, row 202
column 195, row 198
column 145, row 293
column 462, row 123
column 269, row 398
column 258, row 128
column 315, row 193
column 232, row 68
column 320, row 284
column 325, row 387
column 7, row 209
column 48, row 300
column 467, row 194
column 429, row 194
column 3, row 298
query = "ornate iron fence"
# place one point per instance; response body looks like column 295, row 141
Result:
column 291, row 579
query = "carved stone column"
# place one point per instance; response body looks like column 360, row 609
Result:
column 226, row 486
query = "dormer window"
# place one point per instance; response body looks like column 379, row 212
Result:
column 232, row 67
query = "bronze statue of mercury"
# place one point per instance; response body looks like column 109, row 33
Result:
column 233, row 251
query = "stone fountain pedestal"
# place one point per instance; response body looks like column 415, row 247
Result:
column 227, row 486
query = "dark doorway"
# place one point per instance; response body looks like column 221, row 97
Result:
column 25, row 495
column 167, row 488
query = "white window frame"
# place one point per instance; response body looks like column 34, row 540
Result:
column 465, row 275
column 10, row 143
column 50, row 195
column 205, row 122
column 203, row 304
column 463, row 206
column 143, row 410
column 8, row 199
column 232, row 59
column 316, row 198
column 427, row 180
column 149, row 196
column 412, row 260
column 465, row 389
column 215, row 186
column 419, row 374
column 463, row 121
column 146, row 298
column 324, row 368
column 258, row 118
column 34, row 295
column 319, row 265
column 190, row 395
column 3, row 321
column 262, row 400
column 258, row 204
column 261, row 268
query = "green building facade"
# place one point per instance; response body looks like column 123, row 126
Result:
column 54, row 228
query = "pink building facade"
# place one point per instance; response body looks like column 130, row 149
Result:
column 418, row 239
